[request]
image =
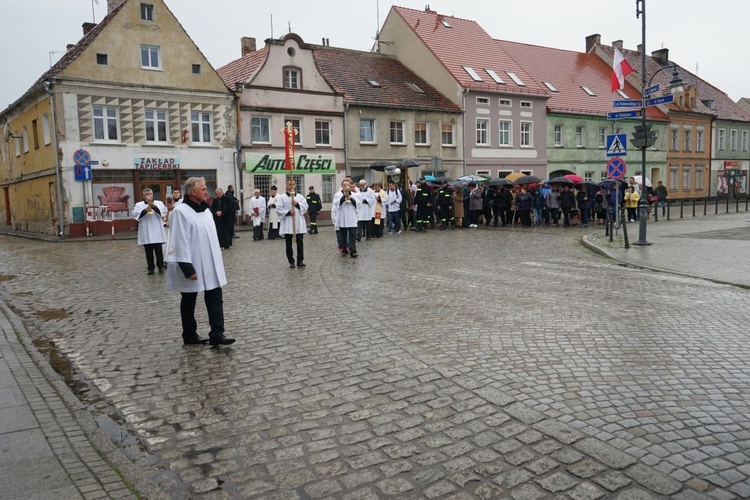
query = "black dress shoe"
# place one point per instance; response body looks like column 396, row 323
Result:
column 291, row 265
column 301, row 264
column 221, row 341
column 195, row 341
column 150, row 271
column 162, row 269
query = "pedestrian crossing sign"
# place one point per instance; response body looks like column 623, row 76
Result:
column 617, row 144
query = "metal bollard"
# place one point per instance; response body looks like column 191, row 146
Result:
column 682, row 208
column 693, row 207
column 705, row 204
column 716, row 209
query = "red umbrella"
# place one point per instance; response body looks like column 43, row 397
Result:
column 575, row 178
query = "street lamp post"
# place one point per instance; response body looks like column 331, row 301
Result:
column 647, row 137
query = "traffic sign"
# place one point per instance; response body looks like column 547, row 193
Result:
column 652, row 90
column 617, row 144
column 81, row 157
column 623, row 114
column 616, row 168
column 627, row 103
column 660, row 100
column 82, row 172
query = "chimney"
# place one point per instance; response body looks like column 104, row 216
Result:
column 592, row 41
column 661, row 56
column 248, row 45
column 70, row 46
column 113, row 4
column 639, row 48
column 87, row 27
column 617, row 44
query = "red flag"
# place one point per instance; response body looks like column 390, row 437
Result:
column 620, row 69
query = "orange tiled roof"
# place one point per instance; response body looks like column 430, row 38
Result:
column 568, row 72
column 348, row 72
column 242, row 69
column 457, row 43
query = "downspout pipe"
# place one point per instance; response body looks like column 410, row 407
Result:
column 58, row 173
column 346, row 142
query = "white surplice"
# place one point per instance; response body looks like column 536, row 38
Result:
column 344, row 215
column 193, row 240
column 367, row 204
column 284, row 206
column 151, row 226
column 273, row 215
column 259, row 203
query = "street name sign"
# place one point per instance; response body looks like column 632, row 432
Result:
column 652, row 90
column 659, row 100
column 623, row 114
column 627, row 103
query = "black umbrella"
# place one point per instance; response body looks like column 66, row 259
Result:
column 440, row 180
column 380, row 165
column 587, row 185
column 527, row 179
column 408, row 163
column 561, row 180
column 500, row 182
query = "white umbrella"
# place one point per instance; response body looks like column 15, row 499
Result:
column 638, row 179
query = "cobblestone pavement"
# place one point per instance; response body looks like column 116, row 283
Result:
column 464, row 364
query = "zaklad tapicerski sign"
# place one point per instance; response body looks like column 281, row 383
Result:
column 303, row 164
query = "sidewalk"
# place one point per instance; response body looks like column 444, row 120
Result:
column 708, row 247
column 50, row 445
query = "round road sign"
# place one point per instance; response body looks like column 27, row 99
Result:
column 616, row 168
column 81, row 157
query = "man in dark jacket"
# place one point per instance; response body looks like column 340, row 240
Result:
column 584, row 205
column 423, row 202
column 221, row 210
column 445, row 206
column 567, row 203
column 233, row 206
column 504, row 202
column 314, row 206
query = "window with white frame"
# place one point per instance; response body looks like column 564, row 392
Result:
column 322, row 133
column 526, row 104
column 150, row 57
column 674, row 139
column 147, row 12
column 744, row 140
column 686, row 171
column 485, row 173
column 447, row 134
column 733, row 140
column 106, row 123
column 25, row 138
column 483, row 132
column 687, row 133
column 579, row 136
column 602, row 137
column 699, row 183
column 700, row 142
column 296, row 125
column 260, row 129
column 292, row 78
column 483, row 100
column 17, row 144
column 327, row 181
column 156, row 125
column 673, row 177
column 397, row 132
column 502, row 174
column 504, row 136
column 200, row 122
column 45, row 129
column 504, row 103
column 367, row 131
column 263, row 183
column 722, row 145
column 527, row 134
column 558, row 135
column 588, row 176
column 421, row 133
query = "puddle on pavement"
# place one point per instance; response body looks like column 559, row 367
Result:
column 50, row 314
column 6, row 277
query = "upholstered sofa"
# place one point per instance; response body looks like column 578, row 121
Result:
column 114, row 198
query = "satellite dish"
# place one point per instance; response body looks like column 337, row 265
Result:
column 6, row 132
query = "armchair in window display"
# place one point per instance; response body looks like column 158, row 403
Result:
column 115, row 199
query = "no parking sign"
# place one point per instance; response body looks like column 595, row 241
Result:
column 616, row 168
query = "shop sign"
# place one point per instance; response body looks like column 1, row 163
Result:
column 156, row 163
column 731, row 164
column 303, row 164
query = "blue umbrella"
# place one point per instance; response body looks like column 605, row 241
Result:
column 429, row 178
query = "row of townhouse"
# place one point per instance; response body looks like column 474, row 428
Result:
column 135, row 104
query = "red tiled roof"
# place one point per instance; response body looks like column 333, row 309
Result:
column 568, row 71
column 348, row 72
column 465, row 43
column 75, row 51
column 241, row 70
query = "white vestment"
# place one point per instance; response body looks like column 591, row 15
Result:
column 193, row 240
column 151, row 226
column 284, row 206
column 260, row 204
column 344, row 215
column 273, row 215
column 367, row 204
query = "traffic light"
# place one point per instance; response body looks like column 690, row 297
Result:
column 643, row 137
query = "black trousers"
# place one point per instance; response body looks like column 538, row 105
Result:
column 364, row 228
column 258, row 232
column 313, row 223
column 214, row 306
column 151, row 249
column 300, row 249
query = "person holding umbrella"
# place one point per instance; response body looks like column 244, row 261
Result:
column 567, row 203
column 584, row 205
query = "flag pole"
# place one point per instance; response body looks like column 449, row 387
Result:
column 289, row 134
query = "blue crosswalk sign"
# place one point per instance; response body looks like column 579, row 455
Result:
column 617, row 144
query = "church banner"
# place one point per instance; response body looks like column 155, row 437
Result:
column 303, row 164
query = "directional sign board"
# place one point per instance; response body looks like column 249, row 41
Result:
column 617, row 144
column 627, row 103
column 659, row 100
column 616, row 168
column 81, row 157
column 82, row 172
column 652, row 90
column 623, row 114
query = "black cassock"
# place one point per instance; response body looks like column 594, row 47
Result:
column 223, row 222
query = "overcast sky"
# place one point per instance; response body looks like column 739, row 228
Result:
column 711, row 37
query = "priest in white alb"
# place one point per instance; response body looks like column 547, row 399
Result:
column 257, row 211
column 194, row 264
column 291, row 207
column 151, row 235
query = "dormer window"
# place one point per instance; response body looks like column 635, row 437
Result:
column 147, row 12
column 446, row 23
column 415, row 87
column 473, row 74
column 494, row 76
column 374, row 83
column 515, row 79
column 588, row 91
column 292, row 78
column 550, row 86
